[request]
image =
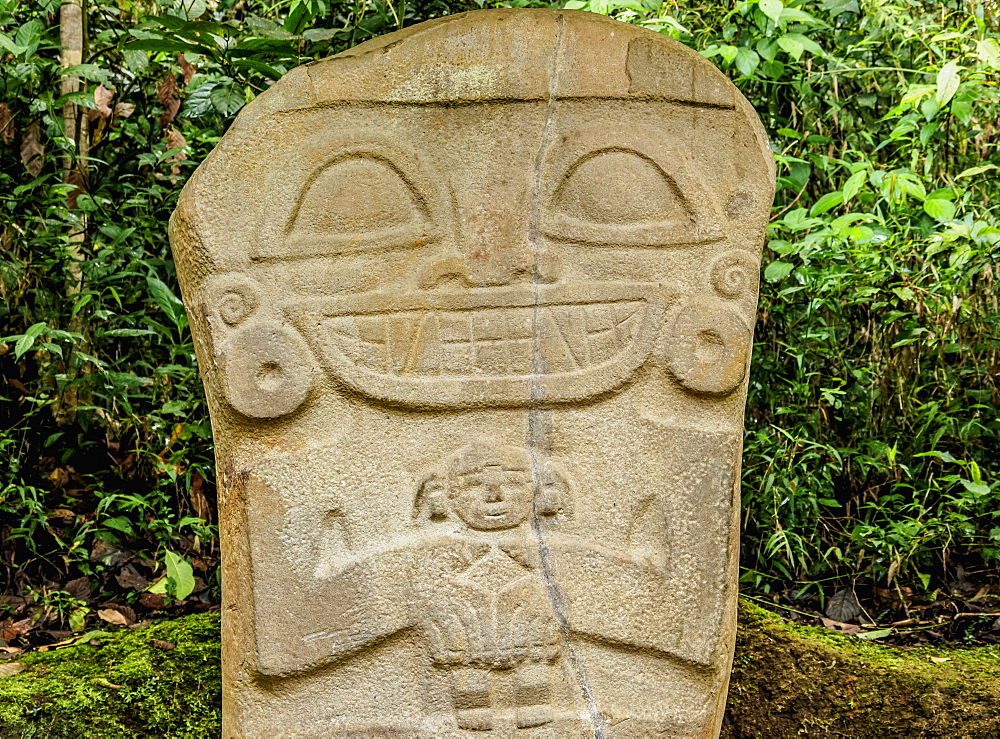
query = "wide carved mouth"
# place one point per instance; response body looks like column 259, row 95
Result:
column 484, row 346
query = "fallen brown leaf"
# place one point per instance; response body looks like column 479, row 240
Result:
column 102, row 96
column 12, row 668
column 840, row 627
column 16, row 629
column 112, row 617
column 80, row 587
column 130, row 579
column 152, row 601
column 164, row 645
column 187, row 68
column 6, row 124
column 166, row 93
column 175, row 140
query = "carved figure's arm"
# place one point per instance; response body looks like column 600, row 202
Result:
column 368, row 598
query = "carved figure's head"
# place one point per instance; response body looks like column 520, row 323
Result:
column 525, row 220
column 491, row 488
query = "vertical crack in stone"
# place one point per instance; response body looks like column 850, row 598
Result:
column 539, row 440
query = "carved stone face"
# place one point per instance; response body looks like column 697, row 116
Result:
column 493, row 498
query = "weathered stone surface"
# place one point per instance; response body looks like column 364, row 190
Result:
column 473, row 307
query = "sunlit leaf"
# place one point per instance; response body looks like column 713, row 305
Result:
column 948, row 80
column 854, row 184
column 180, row 575
column 989, row 51
column 827, row 202
column 27, row 341
column 776, row 271
column 772, row 9
column 939, row 209
column 972, row 171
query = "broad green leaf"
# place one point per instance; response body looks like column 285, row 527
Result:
column 324, row 34
column 728, row 53
column 6, row 42
column 198, row 101
column 166, row 45
column 805, row 42
column 191, row 9
column 228, row 98
column 977, row 488
column 27, row 341
column 30, row 33
column 792, row 47
column 939, row 209
column 776, row 271
column 827, row 202
column 89, row 72
column 120, row 523
column 258, row 66
column 948, row 80
column 880, row 634
column 135, row 61
column 180, row 575
column 747, row 61
column 854, row 184
column 772, row 9
column 794, row 15
column 123, row 380
column 989, row 51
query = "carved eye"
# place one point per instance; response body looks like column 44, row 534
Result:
column 357, row 201
column 619, row 187
column 621, row 196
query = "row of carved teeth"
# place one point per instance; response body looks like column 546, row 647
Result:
column 487, row 342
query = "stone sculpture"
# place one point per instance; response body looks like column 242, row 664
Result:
column 473, row 304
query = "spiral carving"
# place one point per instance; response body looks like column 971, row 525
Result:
column 233, row 298
column 734, row 274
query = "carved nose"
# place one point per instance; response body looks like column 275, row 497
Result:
column 494, row 494
column 484, row 268
column 490, row 264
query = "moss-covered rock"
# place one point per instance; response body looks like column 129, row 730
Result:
column 791, row 681
column 159, row 681
column 788, row 681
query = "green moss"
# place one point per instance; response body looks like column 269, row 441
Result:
column 788, row 681
column 791, row 680
column 126, row 687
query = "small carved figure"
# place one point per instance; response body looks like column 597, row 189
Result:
column 495, row 615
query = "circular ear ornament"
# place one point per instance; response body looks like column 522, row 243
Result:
column 265, row 370
column 734, row 274
column 708, row 346
column 233, row 298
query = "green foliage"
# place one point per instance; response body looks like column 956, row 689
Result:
column 872, row 441
column 872, row 447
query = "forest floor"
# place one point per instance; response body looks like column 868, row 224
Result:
column 789, row 679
